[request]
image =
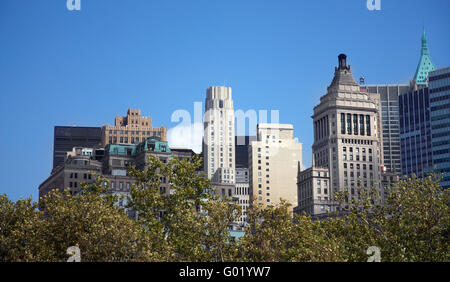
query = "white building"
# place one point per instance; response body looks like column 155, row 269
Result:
column 219, row 132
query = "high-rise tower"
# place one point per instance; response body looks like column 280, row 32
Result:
column 219, row 135
column 415, row 122
column 346, row 152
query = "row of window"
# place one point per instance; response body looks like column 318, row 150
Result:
column 441, row 107
column 357, row 141
column 358, row 174
column 357, row 158
column 137, row 132
column 440, row 98
column 350, row 125
column 118, row 188
column 85, row 175
column 438, row 77
column 113, row 140
column 358, row 166
column 260, row 199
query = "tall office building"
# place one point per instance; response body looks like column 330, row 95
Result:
column 415, row 132
column 345, row 143
column 131, row 129
column 68, row 137
column 390, row 124
column 274, row 160
column 219, row 135
column 439, row 91
column 415, row 123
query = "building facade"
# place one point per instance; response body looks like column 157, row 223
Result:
column 314, row 192
column 439, row 92
column 241, row 192
column 242, row 145
column 390, row 123
column 415, row 122
column 131, row 129
column 415, row 132
column 346, row 142
column 65, row 138
column 274, row 160
column 219, row 136
column 113, row 165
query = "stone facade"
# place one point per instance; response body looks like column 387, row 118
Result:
column 346, row 137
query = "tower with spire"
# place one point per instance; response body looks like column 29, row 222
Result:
column 425, row 64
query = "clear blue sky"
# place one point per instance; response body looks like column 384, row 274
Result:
column 60, row 67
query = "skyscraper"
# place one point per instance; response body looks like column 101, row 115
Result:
column 390, row 124
column 415, row 132
column 274, row 160
column 415, row 123
column 345, row 143
column 219, row 136
column 439, row 91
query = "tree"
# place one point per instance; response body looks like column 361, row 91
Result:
column 89, row 220
column 190, row 223
column 412, row 225
column 274, row 236
column 13, row 216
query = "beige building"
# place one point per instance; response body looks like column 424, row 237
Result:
column 274, row 160
column 131, row 129
column 346, row 140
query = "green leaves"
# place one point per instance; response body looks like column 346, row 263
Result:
column 190, row 223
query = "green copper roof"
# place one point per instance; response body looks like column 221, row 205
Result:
column 153, row 144
column 425, row 63
column 122, row 149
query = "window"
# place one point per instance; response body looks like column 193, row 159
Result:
column 342, row 123
column 349, row 123
column 368, row 129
